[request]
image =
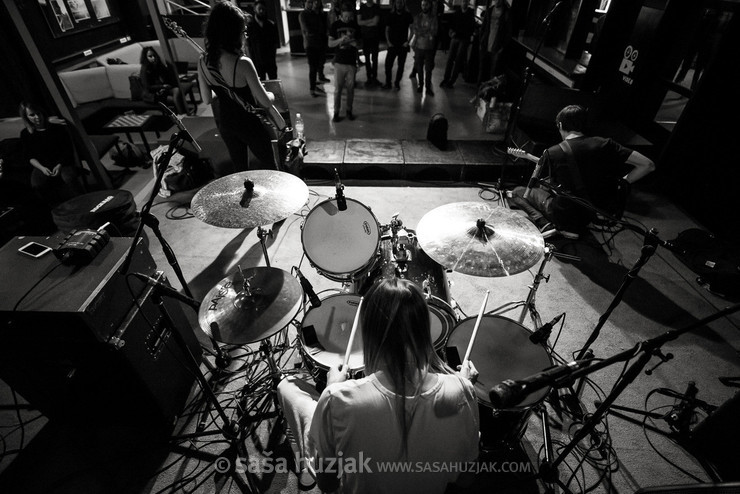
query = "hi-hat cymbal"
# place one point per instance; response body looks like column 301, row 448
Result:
column 223, row 202
column 230, row 315
column 480, row 239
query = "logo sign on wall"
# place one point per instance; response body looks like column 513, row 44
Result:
column 628, row 64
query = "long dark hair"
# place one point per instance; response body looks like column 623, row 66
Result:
column 223, row 31
column 396, row 337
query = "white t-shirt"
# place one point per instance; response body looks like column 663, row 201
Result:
column 355, row 422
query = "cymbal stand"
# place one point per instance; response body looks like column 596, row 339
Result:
column 643, row 352
column 263, row 234
column 231, row 431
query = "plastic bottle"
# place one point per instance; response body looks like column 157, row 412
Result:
column 299, row 126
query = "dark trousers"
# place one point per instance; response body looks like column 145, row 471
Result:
column 456, row 59
column 538, row 205
column 424, row 64
column 242, row 133
column 394, row 52
column 54, row 190
column 315, row 64
column 370, row 48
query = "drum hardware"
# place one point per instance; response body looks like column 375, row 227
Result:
column 231, row 430
column 641, row 353
column 480, row 239
column 341, row 200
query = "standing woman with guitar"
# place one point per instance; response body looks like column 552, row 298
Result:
column 244, row 111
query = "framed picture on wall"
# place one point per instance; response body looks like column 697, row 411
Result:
column 67, row 17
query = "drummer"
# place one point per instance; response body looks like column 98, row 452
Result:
column 411, row 407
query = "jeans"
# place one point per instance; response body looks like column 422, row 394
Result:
column 538, row 205
column 370, row 48
column 393, row 52
column 315, row 57
column 456, row 59
column 345, row 78
column 424, row 64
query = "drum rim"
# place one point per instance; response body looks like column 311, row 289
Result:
column 304, row 347
column 441, row 342
column 342, row 276
column 516, row 408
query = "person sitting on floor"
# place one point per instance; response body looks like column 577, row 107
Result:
column 410, row 407
column 588, row 168
column 159, row 80
column 48, row 148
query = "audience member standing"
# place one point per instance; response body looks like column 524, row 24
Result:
column 263, row 41
column 313, row 29
column 48, row 148
column 397, row 36
column 319, row 6
column 461, row 34
column 423, row 43
column 343, row 37
column 369, row 22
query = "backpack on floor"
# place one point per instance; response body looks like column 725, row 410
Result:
column 129, row 155
column 437, row 131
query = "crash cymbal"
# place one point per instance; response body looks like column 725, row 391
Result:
column 231, row 315
column 480, row 239
column 225, row 202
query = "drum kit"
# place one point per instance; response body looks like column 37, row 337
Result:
column 344, row 242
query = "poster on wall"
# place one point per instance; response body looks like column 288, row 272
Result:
column 66, row 17
column 100, row 7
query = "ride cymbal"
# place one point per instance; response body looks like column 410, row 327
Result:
column 480, row 239
column 230, row 314
column 227, row 202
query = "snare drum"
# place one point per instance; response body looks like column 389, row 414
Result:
column 325, row 334
column 501, row 351
column 441, row 321
column 341, row 244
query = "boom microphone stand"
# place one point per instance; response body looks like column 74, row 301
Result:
column 644, row 352
column 518, row 102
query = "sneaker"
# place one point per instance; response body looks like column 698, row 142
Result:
column 337, row 118
column 569, row 235
column 350, row 115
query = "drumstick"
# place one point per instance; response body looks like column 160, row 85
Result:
column 475, row 329
column 352, row 335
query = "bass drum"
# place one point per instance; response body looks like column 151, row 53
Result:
column 501, row 351
column 341, row 245
column 325, row 334
column 402, row 257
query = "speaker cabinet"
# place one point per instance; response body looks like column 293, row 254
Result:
column 83, row 345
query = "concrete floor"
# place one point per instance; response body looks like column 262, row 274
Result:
column 663, row 296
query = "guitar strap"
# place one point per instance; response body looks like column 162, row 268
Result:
column 216, row 79
column 575, row 173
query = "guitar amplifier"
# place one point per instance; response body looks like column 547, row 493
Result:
column 80, row 344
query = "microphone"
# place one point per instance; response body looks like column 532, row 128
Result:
column 534, row 177
column 308, row 289
column 510, row 393
column 184, row 133
column 549, row 16
column 341, row 201
column 543, row 333
column 167, row 290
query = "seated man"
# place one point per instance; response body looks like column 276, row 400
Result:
column 587, row 168
column 409, row 408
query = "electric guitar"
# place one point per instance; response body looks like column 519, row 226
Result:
column 520, row 153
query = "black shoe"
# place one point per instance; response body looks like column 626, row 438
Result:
column 387, row 85
column 429, row 91
column 320, row 90
column 350, row 115
column 420, row 89
column 337, row 118
column 324, row 79
column 397, row 85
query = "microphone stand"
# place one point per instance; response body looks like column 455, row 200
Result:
column 517, row 104
column 148, row 219
column 644, row 351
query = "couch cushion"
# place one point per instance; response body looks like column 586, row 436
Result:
column 87, row 85
column 118, row 79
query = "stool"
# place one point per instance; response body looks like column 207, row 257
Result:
column 96, row 208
